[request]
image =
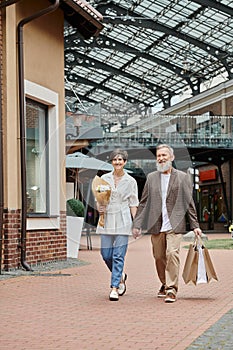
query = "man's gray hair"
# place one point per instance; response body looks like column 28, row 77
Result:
column 164, row 145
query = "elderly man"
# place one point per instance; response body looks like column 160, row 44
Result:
column 165, row 201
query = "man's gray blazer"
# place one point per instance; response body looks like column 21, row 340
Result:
column 179, row 202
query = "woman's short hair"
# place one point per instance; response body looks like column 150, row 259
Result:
column 118, row 152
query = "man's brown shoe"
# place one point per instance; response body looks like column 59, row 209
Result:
column 161, row 292
column 170, row 298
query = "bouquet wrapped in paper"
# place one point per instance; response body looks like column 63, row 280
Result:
column 102, row 192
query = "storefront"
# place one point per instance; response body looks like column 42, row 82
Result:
column 211, row 204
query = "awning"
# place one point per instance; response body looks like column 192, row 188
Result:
column 82, row 16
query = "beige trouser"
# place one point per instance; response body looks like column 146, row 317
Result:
column 166, row 247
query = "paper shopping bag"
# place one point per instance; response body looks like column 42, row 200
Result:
column 210, row 271
column 201, row 270
column 191, row 265
column 198, row 266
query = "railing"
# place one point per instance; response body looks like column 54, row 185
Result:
column 145, row 139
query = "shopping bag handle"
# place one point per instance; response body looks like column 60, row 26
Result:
column 198, row 242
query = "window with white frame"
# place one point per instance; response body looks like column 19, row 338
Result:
column 36, row 157
column 43, row 157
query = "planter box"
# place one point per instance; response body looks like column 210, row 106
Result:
column 74, row 227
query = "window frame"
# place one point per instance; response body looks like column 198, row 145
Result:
column 50, row 98
column 47, row 184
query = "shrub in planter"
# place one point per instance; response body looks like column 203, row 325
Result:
column 74, row 207
column 74, row 221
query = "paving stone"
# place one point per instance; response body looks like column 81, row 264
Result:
column 217, row 337
column 66, row 306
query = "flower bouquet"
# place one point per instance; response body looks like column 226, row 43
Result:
column 102, row 192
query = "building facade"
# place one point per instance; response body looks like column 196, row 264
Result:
column 33, row 124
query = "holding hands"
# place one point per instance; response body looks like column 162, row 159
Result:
column 136, row 232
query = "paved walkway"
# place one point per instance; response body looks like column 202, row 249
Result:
column 69, row 309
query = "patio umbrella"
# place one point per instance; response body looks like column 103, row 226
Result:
column 79, row 160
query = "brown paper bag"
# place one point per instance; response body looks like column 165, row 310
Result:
column 210, row 272
column 190, row 271
column 191, row 265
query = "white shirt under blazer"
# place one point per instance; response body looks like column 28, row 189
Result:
column 179, row 202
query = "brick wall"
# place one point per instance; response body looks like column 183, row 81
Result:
column 41, row 246
column 215, row 108
column 229, row 106
column 11, row 236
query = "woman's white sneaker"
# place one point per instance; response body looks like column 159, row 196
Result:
column 113, row 296
column 122, row 285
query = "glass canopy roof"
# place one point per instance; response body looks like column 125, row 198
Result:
column 150, row 53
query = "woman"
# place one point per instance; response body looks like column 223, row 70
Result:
column 118, row 215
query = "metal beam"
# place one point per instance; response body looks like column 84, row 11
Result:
column 127, row 17
column 216, row 5
column 70, row 93
column 77, row 79
column 117, row 111
column 109, row 43
column 150, row 24
column 88, row 62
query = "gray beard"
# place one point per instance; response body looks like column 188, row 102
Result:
column 162, row 167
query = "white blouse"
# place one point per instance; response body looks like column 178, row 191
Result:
column 118, row 219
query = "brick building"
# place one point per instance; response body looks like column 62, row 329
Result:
column 32, row 196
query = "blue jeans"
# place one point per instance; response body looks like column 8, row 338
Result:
column 113, row 250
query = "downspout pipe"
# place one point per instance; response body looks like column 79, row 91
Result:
column 22, row 114
column 8, row 3
column 2, row 5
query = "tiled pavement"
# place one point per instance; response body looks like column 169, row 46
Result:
column 69, row 308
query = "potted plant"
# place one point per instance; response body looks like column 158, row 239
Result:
column 74, row 222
